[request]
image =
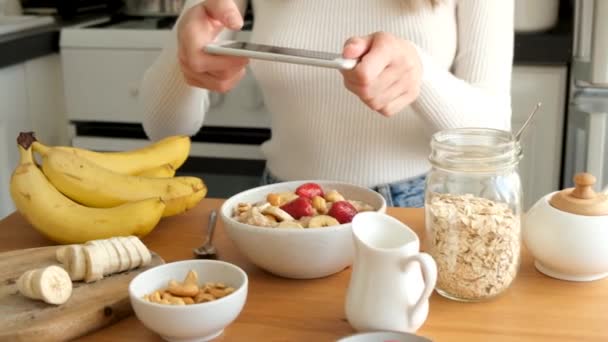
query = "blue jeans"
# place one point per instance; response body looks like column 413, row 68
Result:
column 406, row 193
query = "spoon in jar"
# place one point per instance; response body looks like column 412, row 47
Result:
column 207, row 251
column 527, row 123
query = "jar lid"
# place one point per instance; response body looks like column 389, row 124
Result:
column 581, row 199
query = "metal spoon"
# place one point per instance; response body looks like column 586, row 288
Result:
column 207, row 251
column 527, row 123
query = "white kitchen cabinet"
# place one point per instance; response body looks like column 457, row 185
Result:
column 13, row 118
column 31, row 99
column 542, row 143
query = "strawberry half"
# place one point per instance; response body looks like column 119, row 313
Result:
column 342, row 211
column 301, row 206
column 309, row 190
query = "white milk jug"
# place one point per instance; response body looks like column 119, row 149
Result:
column 387, row 290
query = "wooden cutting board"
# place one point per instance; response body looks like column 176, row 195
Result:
column 91, row 306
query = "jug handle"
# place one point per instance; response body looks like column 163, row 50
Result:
column 429, row 272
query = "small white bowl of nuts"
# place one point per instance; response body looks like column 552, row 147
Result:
column 299, row 229
column 191, row 300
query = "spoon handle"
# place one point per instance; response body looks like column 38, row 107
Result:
column 528, row 120
column 212, row 222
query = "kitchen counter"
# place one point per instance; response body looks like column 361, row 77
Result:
column 21, row 46
column 536, row 308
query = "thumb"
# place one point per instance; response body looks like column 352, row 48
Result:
column 224, row 11
column 356, row 47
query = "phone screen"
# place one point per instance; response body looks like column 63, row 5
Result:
column 283, row 51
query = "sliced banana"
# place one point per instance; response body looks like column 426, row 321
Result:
column 75, row 262
column 60, row 254
column 52, row 284
column 102, row 246
column 123, row 256
column 114, row 261
column 278, row 213
column 134, row 258
column 24, row 284
column 322, row 221
column 96, row 258
column 143, row 251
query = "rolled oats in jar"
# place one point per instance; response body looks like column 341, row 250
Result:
column 473, row 212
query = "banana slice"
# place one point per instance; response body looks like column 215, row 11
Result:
column 24, row 284
column 96, row 262
column 75, row 262
column 134, row 258
column 52, row 284
column 123, row 256
column 114, row 261
column 60, row 254
column 102, row 246
column 143, row 251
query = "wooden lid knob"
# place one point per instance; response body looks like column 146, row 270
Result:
column 581, row 199
column 583, row 186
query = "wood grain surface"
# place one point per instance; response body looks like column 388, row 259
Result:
column 535, row 308
column 91, row 306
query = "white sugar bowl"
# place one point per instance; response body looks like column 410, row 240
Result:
column 567, row 232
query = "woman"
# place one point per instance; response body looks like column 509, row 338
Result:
column 425, row 65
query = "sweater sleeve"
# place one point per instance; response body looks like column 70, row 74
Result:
column 170, row 106
column 477, row 91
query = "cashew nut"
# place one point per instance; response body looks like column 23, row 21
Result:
column 319, row 204
column 203, row 297
column 322, row 221
column 333, row 196
column 274, row 199
column 182, row 290
column 191, row 278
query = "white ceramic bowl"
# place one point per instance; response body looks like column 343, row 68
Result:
column 196, row 322
column 564, row 245
column 380, row 336
column 292, row 252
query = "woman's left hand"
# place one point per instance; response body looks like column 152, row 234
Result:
column 387, row 77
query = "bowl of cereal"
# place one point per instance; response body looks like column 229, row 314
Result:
column 191, row 300
column 298, row 229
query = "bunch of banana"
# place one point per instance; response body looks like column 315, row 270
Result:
column 81, row 195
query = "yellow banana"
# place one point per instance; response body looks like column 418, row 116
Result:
column 64, row 221
column 92, row 185
column 163, row 171
column 173, row 150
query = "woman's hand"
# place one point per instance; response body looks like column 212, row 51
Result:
column 197, row 28
column 387, row 77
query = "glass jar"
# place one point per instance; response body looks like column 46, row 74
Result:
column 473, row 211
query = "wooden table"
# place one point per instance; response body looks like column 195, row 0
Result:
column 536, row 308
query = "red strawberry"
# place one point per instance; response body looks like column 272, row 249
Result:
column 342, row 211
column 309, row 190
column 299, row 207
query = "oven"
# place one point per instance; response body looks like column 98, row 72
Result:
column 103, row 63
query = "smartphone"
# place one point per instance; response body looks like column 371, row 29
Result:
column 281, row 54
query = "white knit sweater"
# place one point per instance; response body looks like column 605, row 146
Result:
column 322, row 131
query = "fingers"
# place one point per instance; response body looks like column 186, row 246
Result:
column 224, row 11
column 378, row 57
column 385, row 80
column 398, row 104
column 356, row 47
column 387, row 77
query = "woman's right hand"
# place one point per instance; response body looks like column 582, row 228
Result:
column 198, row 27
